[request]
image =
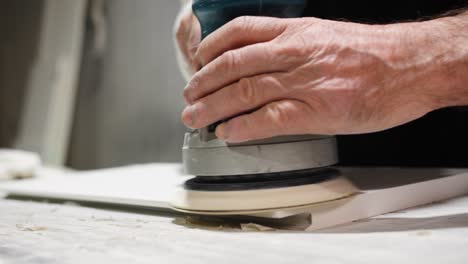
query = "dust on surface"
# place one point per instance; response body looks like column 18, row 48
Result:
column 424, row 233
column 32, row 228
column 219, row 225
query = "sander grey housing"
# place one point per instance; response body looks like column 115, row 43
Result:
column 213, row 157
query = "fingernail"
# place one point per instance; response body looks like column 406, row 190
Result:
column 222, row 131
column 189, row 116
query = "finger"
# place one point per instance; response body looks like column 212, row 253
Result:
column 193, row 42
column 286, row 117
column 237, row 33
column 246, row 95
column 188, row 36
column 182, row 35
column 234, row 65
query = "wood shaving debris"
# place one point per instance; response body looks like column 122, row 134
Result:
column 32, row 228
column 192, row 222
column 423, row 233
column 102, row 219
column 255, row 227
column 220, row 225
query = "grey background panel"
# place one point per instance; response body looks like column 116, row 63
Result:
column 130, row 94
column 19, row 28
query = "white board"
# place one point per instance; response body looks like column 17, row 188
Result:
column 383, row 190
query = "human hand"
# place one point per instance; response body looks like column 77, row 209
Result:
column 188, row 36
column 310, row 76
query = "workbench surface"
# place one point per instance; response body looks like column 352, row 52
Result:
column 34, row 232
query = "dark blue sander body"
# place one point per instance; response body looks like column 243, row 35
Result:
column 212, row 14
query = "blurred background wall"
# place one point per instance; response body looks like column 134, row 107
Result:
column 130, row 89
column 19, row 29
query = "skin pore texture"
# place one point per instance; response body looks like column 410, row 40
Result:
column 271, row 76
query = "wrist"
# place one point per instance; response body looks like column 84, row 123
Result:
column 434, row 56
column 454, row 62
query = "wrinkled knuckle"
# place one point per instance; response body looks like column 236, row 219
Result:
column 192, row 88
column 229, row 61
column 247, row 91
column 239, row 24
column 192, row 49
column 291, row 51
column 267, row 51
column 194, row 82
column 200, row 53
column 278, row 86
column 280, row 114
column 188, row 96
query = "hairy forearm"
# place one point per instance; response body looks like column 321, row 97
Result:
column 445, row 46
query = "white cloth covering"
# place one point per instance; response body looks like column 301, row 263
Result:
column 18, row 164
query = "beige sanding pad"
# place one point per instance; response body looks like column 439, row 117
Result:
column 234, row 202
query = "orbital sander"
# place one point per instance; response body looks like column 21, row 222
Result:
column 269, row 174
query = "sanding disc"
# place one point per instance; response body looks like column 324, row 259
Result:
column 205, row 194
